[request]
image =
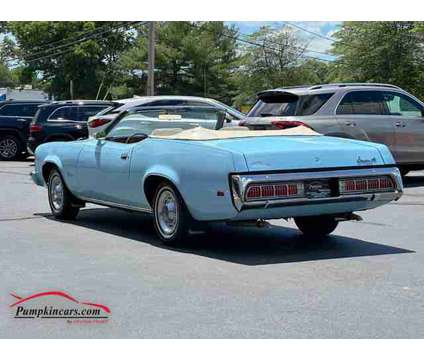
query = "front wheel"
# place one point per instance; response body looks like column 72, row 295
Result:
column 60, row 198
column 171, row 217
column 317, row 226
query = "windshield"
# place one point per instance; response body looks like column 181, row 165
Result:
column 237, row 114
column 286, row 104
column 149, row 119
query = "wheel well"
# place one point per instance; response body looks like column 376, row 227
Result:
column 12, row 132
column 151, row 184
column 47, row 169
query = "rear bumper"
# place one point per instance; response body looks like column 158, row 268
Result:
column 239, row 184
column 32, row 145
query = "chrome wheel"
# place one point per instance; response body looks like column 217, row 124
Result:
column 8, row 148
column 56, row 192
column 167, row 212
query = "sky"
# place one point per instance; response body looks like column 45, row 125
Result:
column 320, row 41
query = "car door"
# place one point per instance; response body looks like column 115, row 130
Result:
column 408, row 117
column 63, row 123
column 19, row 115
column 104, row 164
column 103, row 170
column 362, row 115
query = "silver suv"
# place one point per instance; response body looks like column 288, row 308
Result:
column 372, row 112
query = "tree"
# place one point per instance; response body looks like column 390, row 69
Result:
column 275, row 58
column 191, row 59
column 58, row 52
column 6, row 77
column 387, row 52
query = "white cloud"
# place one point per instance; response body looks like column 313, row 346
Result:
column 313, row 42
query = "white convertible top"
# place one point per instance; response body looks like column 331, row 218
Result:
column 200, row 133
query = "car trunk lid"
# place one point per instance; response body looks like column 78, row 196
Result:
column 302, row 152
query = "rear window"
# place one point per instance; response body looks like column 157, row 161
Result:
column 288, row 105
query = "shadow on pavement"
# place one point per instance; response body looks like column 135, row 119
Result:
column 413, row 181
column 242, row 245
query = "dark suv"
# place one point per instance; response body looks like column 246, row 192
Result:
column 63, row 121
column 15, row 118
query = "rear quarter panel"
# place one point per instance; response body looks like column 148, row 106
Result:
column 197, row 171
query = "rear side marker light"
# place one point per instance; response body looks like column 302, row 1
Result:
column 373, row 184
column 274, row 191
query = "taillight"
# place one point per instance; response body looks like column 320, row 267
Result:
column 98, row 122
column 362, row 185
column 287, row 124
column 274, row 191
column 35, row 128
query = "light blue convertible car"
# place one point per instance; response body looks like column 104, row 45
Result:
column 187, row 177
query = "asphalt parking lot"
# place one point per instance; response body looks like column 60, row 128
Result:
column 366, row 281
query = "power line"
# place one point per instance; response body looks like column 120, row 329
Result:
column 48, row 45
column 82, row 40
column 269, row 47
column 70, row 46
column 45, row 45
column 309, row 31
column 250, row 42
column 298, row 47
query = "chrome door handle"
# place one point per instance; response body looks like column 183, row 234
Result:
column 21, row 120
column 124, row 156
column 399, row 124
column 350, row 123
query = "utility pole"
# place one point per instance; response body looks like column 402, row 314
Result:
column 151, row 60
column 71, row 89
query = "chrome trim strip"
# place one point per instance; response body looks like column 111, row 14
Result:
column 116, row 205
column 239, row 184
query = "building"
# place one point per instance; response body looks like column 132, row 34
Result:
column 26, row 93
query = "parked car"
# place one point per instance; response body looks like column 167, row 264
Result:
column 63, row 121
column 15, row 118
column 188, row 177
column 104, row 118
column 166, row 117
column 372, row 112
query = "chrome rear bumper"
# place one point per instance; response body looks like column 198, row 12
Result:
column 240, row 182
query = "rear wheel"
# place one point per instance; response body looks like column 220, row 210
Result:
column 10, row 147
column 171, row 218
column 316, row 226
column 60, row 198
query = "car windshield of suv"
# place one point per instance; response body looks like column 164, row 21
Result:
column 287, row 104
